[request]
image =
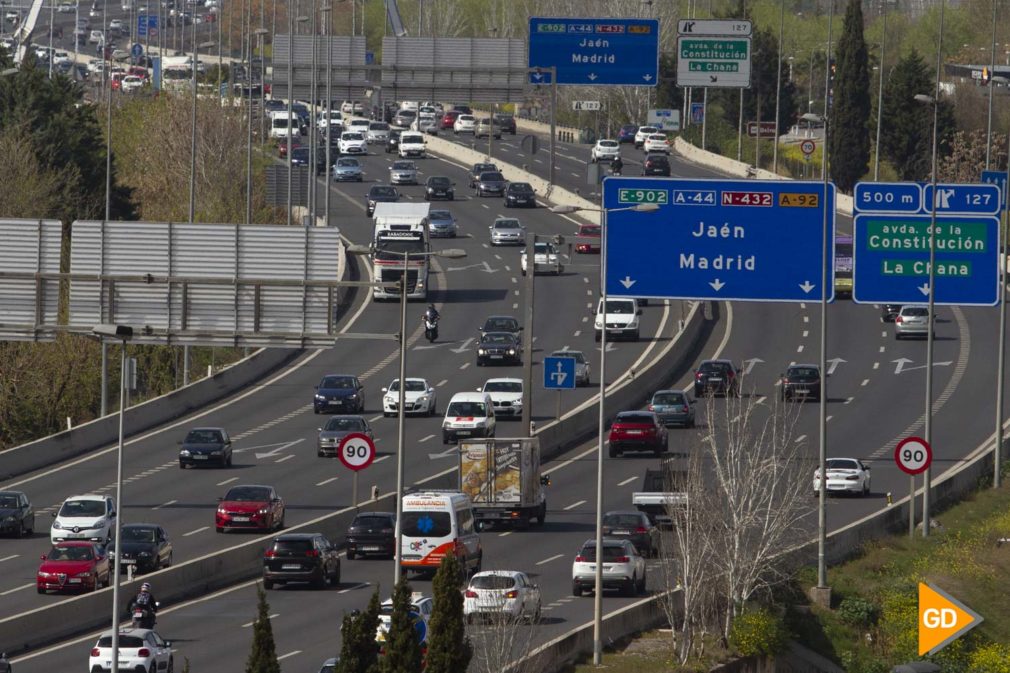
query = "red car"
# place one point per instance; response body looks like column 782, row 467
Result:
column 251, row 506
column 637, row 431
column 449, row 118
column 282, row 147
column 73, row 566
column 588, row 238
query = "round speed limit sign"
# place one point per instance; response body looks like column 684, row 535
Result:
column 356, row 451
column 807, row 147
column 913, row 455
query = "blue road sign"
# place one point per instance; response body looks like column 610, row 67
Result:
column 147, row 25
column 617, row 52
column 559, row 373
column 697, row 113
column 997, row 178
column 891, row 244
column 137, row 50
column 748, row 240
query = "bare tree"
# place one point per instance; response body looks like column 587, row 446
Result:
column 503, row 643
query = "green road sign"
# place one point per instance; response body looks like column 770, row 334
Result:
column 657, row 196
column 716, row 62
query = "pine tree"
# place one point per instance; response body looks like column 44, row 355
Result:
column 359, row 652
column 403, row 651
column 449, row 650
column 263, row 656
column 850, row 112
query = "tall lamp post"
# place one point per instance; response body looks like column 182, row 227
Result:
column 450, row 253
column 598, row 590
column 121, row 333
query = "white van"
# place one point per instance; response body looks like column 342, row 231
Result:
column 468, row 415
column 436, row 523
column 621, row 318
column 281, row 127
column 411, row 145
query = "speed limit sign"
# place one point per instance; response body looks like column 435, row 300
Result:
column 807, row 147
column 357, row 451
column 913, row 455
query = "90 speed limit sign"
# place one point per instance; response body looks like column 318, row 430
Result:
column 913, row 455
column 356, row 451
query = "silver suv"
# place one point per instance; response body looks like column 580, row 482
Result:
column 912, row 321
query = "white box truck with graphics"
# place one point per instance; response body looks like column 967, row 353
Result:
column 503, row 480
column 400, row 228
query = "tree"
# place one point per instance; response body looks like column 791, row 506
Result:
column 759, row 99
column 967, row 156
column 359, row 653
column 402, row 651
column 263, row 656
column 449, row 650
column 850, row 112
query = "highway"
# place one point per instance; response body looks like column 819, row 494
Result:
column 876, row 397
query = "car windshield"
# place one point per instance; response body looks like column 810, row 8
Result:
column 203, row 437
column 501, row 325
column 577, row 355
column 483, row 168
column 75, row 553
column 608, row 143
column 125, row 641
column 466, row 409
column 657, row 136
column 507, row 224
column 248, row 494
column 714, row 367
column 610, row 552
column 406, row 113
column 383, row 192
column 438, row 181
column 75, row 508
column 841, row 464
column 542, row 248
column 131, row 534
column 633, row 417
column 589, row 230
column 403, row 166
column 498, row 338
column 378, row 126
column 631, row 519
column 295, row 545
column 413, row 385
column 803, row 373
column 668, row 398
column 440, row 215
column 624, row 307
column 372, row 521
column 657, row 161
column 426, row 524
column 491, row 177
column 492, row 582
column 503, row 387
column 8, row 501
column 647, row 129
column 348, row 163
column 407, row 139
column 352, row 136
column 338, row 424
column 521, row 187
column 917, row 311
column 337, row 382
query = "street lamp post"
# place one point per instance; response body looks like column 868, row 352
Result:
column 598, row 589
column 122, row 333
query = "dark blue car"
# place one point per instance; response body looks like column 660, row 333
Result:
column 627, row 133
column 339, row 393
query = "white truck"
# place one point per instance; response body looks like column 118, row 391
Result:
column 400, row 228
column 412, row 145
column 503, row 480
column 659, row 495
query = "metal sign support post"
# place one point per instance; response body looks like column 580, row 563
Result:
column 557, row 410
column 1001, row 358
column 598, row 584
column 354, row 490
column 911, row 505
column 400, row 424
column 531, row 271
column 554, row 127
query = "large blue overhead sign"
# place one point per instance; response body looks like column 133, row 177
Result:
column 619, row 52
column 891, row 243
column 747, row 240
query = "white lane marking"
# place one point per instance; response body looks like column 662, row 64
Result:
column 800, row 438
column 585, row 279
column 585, row 318
column 287, row 457
column 548, row 560
column 514, row 279
column 508, row 532
column 441, row 383
column 799, row 349
column 515, row 306
column 828, row 419
column 497, row 256
column 803, row 305
column 227, row 481
column 194, row 532
column 626, row 481
column 8, row 558
column 848, row 400
column 876, row 365
column 761, row 399
column 865, row 381
column 574, row 505
column 165, row 504
column 356, row 586
column 380, row 459
column 327, row 481
column 484, row 205
column 882, row 349
column 375, row 418
column 574, row 174
column 289, row 654
column 589, row 293
column 23, row 586
column 806, row 318
column 248, row 624
column 425, row 439
column 464, row 365
column 577, row 333
column 806, row 333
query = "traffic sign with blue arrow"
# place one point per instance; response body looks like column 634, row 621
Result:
column 559, row 373
column 748, row 240
column 616, row 52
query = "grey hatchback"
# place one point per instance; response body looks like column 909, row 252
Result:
column 912, row 321
column 673, row 407
column 338, row 427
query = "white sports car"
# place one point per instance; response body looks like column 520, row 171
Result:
column 506, row 396
column 418, row 398
column 845, row 475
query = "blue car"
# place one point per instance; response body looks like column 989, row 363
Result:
column 441, row 223
column 673, row 407
column 347, row 169
column 339, row 393
column 627, row 133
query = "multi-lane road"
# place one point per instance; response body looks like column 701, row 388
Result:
column 876, row 397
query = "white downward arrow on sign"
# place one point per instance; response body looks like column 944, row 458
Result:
column 627, row 282
column 592, row 76
column 647, row 78
column 717, row 284
column 807, row 286
column 924, row 289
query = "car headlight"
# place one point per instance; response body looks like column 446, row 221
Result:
column 9, row 519
column 423, row 399
column 481, row 351
column 222, row 510
column 352, row 396
column 215, row 453
column 185, row 453
column 264, row 510
column 512, row 351
column 86, row 573
column 320, row 397
column 389, row 399
column 98, row 524
column 144, row 554
column 57, row 525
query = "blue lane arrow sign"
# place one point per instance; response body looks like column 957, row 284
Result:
column 559, row 373
column 616, row 52
column 747, row 240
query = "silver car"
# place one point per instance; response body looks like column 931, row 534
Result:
column 336, row 428
column 581, row 365
column 403, row 173
column 507, row 231
column 347, row 169
column 912, row 321
column 378, row 132
column 442, row 223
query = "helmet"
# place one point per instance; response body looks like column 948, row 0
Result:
column 145, row 587
column 431, row 307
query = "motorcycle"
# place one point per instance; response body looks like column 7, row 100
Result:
column 143, row 617
column 430, row 328
column 615, row 170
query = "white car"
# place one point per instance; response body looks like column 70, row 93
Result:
column 506, row 396
column 502, row 592
column 139, row 650
column 546, row 259
column 131, row 83
column 621, row 317
column 581, row 365
column 95, row 66
column 347, row 107
column 359, row 125
column 845, row 475
column 116, row 24
column 61, row 57
column 426, row 112
column 642, row 133
column 656, row 142
column 464, row 124
column 335, row 122
column 605, row 150
column 421, row 607
column 418, row 398
column 85, row 517
column 623, row 567
column 352, row 142
column 411, row 145
column 378, row 132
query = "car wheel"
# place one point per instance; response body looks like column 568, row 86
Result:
column 576, row 589
column 320, row 582
column 350, row 554
column 40, row 589
column 542, row 514
column 171, row 664
column 630, row 586
column 866, row 488
column 182, row 465
column 614, row 453
column 335, row 578
column 268, row 584
column 227, row 463
column 219, row 529
column 168, row 561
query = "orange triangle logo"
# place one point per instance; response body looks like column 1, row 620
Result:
column 942, row 619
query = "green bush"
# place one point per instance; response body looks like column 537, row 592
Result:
column 758, row 633
column 858, row 611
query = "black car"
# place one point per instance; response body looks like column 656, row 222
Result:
column 501, row 323
column 462, row 109
column 146, row 545
column 273, row 105
column 888, row 312
column 203, row 446
column 801, row 382
column 301, row 557
column 339, row 392
column 633, row 526
column 393, row 141
column 16, row 514
column 717, row 377
column 301, row 156
column 491, row 183
column 372, row 533
column 506, row 121
column 380, row 194
column 439, row 187
column 656, row 164
column 477, row 169
column 520, row 195
column 499, row 348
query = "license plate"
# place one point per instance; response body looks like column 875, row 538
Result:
column 496, row 357
column 199, row 457
column 620, row 532
column 74, row 580
column 291, row 566
column 370, row 548
column 634, row 432
column 462, row 432
column 240, row 518
column 715, row 380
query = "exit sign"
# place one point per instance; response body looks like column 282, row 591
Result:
column 657, row 196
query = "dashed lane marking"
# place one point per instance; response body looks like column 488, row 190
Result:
column 848, row 400
column 800, row 438
column 508, row 532
column 194, row 532
column 227, row 481
column 799, row 349
column 327, row 481
column 806, row 333
column 626, row 481
column 8, row 558
column 441, row 383
column 425, row 439
column 289, row 654
column 548, row 560
column 375, row 418
column 354, row 588
column 577, row 333
column 248, row 624
column 23, row 586
column 287, row 457
column 464, row 365
column 876, row 365
column 165, row 504
column 865, row 382
column 574, row 505
column 380, row 459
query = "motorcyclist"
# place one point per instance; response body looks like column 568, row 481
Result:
column 616, row 165
column 144, row 600
column 431, row 314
